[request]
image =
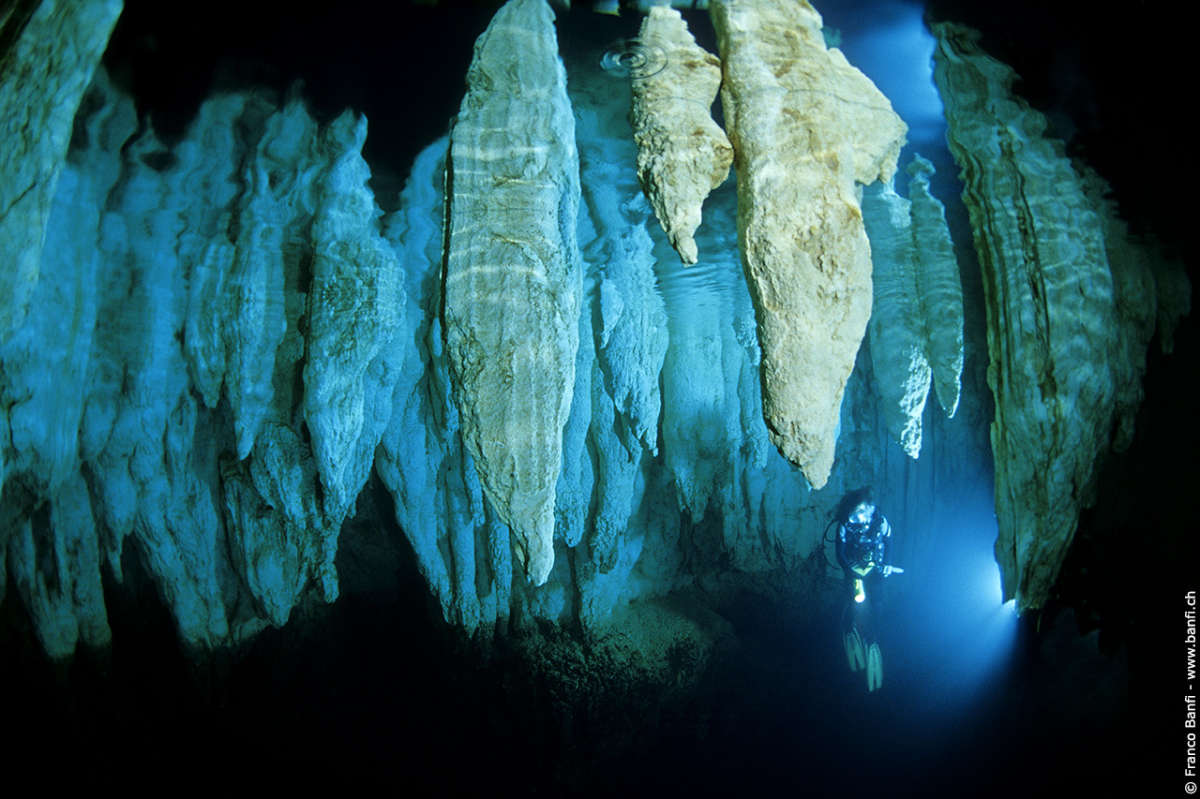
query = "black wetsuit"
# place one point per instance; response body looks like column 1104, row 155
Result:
column 862, row 542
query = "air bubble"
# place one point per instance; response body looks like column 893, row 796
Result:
column 633, row 58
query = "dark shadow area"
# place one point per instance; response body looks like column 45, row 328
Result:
column 375, row 687
column 403, row 64
column 1107, row 92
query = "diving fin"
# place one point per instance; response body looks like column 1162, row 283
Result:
column 854, row 650
column 874, row 668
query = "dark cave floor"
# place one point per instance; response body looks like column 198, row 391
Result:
column 370, row 692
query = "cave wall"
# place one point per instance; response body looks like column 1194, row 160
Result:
column 1072, row 301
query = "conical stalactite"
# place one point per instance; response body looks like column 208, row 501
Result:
column 273, row 217
column 354, row 310
column 214, row 153
column 897, row 324
column 1068, row 312
column 682, row 153
column 631, row 339
column 512, row 281
column 939, row 286
column 621, row 390
column 916, row 326
column 806, row 127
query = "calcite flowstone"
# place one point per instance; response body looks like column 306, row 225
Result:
column 513, row 277
column 1070, row 310
column 42, row 79
column 682, row 153
column 805, row 127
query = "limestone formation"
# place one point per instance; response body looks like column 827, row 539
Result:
column 512, row 278
column 682, row 153
column 620, row 389
column 55, row 561
column 55, row 545
column 615, row 236
column 354, row 307
column 273, row 215
column 1069, row 312
column 916, row 326
column 42, row 79
column 637, row 468
column 897, row 325
column 241, row 335
column 461, row 549
column 939, row 286
column 214, row 180
column 805, row 127
column 194, row 291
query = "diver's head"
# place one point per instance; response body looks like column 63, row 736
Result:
column 852, row 499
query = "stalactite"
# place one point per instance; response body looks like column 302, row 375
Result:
column 513, row 282
column 806, row 127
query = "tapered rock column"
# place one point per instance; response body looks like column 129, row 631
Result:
column 916, row 327
column 513, row 275
column 682, row 153
column 897, row 327
column 940, row 286
column 805, row 127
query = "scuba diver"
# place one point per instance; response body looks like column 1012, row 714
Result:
column 863, row 544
